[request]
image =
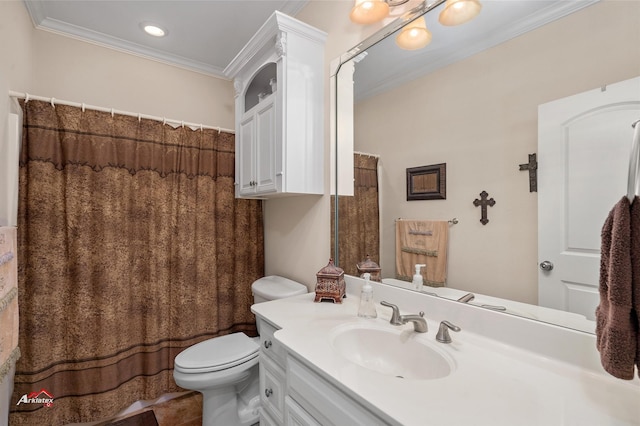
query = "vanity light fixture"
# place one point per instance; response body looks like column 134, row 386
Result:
column 153, row 30
column 458, row 12
column 414, row 35
column 372, row 11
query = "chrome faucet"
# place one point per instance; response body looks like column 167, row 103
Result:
column 395, row 314
column 467, row 298
column 419, row 323
column 443, row 333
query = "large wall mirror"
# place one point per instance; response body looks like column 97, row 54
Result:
column 480, row 98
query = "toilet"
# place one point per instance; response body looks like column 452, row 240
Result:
column 225, row 369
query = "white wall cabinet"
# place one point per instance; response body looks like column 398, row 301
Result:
column 279, row 108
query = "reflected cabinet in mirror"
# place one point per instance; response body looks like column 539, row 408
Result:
column 556, row 79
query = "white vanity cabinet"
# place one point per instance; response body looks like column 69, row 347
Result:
column 312, row 400
column 279, row 108
column 293, row 394
column 272, row 376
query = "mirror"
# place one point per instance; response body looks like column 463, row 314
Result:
column 470, row 100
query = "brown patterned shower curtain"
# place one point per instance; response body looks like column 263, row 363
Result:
column 131, row 247
column 359, row 222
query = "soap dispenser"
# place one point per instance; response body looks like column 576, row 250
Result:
column 367, row 308
column 417, row 278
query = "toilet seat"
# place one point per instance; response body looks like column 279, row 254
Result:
column 216, row 354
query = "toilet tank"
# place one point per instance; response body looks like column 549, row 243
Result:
column 275, row 287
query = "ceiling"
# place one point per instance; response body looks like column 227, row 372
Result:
column 203, row 35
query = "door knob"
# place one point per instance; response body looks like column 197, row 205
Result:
column 546, row 266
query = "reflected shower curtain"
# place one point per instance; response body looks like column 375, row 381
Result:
column 131, row 247
column 359, row 221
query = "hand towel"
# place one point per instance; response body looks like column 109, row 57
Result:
column 635, row 271
column 422, row 242
column 616, row 327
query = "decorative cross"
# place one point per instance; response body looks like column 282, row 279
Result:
column 484, row 203
column 532, row 166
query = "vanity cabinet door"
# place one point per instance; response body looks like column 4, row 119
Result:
column 272, row 388
column 295, row 415
column 325, row 403
column 269, row 346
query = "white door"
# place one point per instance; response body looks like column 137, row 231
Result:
column 584, row 142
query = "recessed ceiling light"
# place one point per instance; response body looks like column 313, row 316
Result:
column 153, row 30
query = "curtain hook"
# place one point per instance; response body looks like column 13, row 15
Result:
column 26, row 98
column 112, row 112
column 164, row 120
column 139, row 117
column 83, row 107
column 52, row 102
column 218, row 130
column 201, row 127
column 183, row 124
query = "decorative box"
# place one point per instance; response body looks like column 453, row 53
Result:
column 330, row 284
column 371, row 267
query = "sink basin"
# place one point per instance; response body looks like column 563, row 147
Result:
column 398, row 353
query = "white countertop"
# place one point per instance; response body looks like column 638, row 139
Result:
column 492, row 383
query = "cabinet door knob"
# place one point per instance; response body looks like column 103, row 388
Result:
column 267, row 344
column 268, row 392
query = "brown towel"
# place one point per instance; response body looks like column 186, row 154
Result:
column 635, row 271
column 422, row 242
column 616, row 322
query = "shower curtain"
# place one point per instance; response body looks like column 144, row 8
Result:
column 131, row 247
column 359, row 222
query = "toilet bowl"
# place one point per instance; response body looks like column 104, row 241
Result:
column 225, row 369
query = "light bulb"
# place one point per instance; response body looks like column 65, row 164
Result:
column 153, row 30
column 458, row 12
column 414, row 35
column 369, row 11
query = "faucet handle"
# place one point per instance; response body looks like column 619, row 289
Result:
column 443, row 332
column 395, row 315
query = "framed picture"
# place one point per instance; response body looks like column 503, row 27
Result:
column 427, row 182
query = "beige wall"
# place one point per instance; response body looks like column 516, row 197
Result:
column 78, row 71
column 16, row 66
column 479, row 117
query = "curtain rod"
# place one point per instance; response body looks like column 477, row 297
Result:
column 27, row 97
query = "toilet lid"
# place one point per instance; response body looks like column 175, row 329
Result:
column 217, row 354
column 275, row 287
